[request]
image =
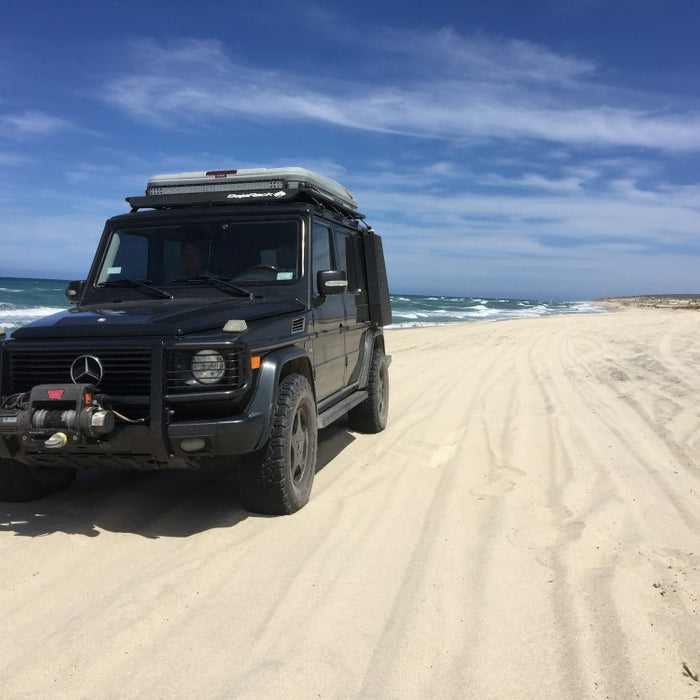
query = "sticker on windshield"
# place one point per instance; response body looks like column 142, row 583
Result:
column 114, row 270
column 285, row 275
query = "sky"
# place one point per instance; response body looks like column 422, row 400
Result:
column 543, row 149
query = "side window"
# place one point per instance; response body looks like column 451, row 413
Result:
column 348, row 260
column 354, row 266
column 340, row 251
column 321, row 251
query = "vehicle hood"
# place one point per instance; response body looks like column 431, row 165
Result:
column 156, row 318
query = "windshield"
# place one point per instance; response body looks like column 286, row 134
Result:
column 252, row 252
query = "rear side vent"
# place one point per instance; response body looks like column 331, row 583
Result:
column 298, row 325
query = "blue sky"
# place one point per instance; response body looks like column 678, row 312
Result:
column 545, row 149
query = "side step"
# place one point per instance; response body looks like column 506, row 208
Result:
column 337, row 410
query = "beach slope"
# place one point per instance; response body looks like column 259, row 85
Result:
column 527, row 526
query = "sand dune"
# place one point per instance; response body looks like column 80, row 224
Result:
column 527, row 526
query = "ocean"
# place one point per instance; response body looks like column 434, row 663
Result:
column 410, row 310
column 23, row 300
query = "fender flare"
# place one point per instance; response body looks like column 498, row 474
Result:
column 270, row 371
column 370, row 341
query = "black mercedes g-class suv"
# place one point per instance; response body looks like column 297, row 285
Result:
column 226, row 317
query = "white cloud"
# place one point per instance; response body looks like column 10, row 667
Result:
column 31, row 123
column 483, row 58
column 11, row 159
column 545, row 223
column 446, row 87
column 534, row 181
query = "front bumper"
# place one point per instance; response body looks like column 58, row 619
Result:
column 182, row 445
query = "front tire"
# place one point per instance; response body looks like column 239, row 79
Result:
column 20, row 483
column 371, row 415
column 278, row 479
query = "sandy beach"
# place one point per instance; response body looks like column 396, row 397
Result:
column 528, row 526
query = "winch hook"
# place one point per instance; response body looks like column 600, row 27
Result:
column 56, row 441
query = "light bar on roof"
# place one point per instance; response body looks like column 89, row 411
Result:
column 252, row 180
column 215, row 187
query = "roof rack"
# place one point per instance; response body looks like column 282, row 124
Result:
column 251, row 185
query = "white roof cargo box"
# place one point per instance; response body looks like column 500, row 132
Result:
column 245, row 183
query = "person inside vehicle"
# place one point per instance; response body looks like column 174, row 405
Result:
column 193, row 259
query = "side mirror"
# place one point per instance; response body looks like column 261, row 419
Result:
column 332, row 282
column 74, row 290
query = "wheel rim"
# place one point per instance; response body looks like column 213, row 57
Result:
column 299, row 446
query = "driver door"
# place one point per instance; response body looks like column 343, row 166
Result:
column 328, row 317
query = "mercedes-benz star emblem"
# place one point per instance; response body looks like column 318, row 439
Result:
column 86, row 369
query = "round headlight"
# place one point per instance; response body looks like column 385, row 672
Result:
column 208, row 367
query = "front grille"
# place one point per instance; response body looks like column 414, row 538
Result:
column 127, row 371
column 180, row 380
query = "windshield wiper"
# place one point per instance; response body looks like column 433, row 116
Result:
column 215, row 280
column 139, row 284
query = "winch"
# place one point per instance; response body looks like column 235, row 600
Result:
column 59, row 413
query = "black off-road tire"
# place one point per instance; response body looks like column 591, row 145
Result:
column 278, row 479
column 371, row 415
column 20, row 483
